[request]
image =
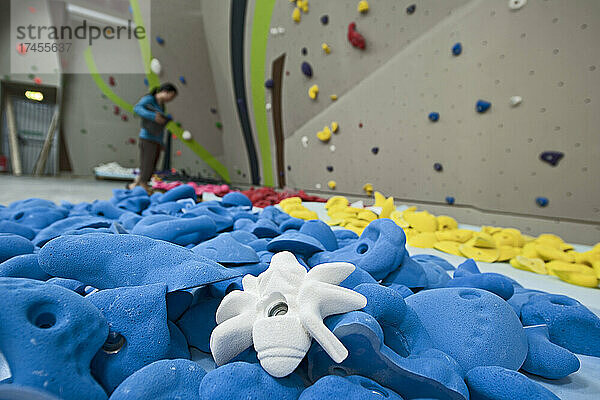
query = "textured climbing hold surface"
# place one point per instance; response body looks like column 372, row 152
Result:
column 313, row 91
column 482, row 106
column 552, row 157
column 433, row 116
column 326, row 48
column 363, row 6
column 356, row 39
column 306, row 69
column 296, row 15
column 516, row 4
column 457, row 49
column 495, row 382
column 331, row 185
column 542, row 201
column 411, row 9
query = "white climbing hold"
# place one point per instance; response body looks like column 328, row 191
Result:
column 332, row 148
column 516, row 4
column 280, row 30
column 186, row 135
column 155, row 66
column 273, row 31
column 318, row 185
column 268, row 106
column 304, row 141
column 515, row 100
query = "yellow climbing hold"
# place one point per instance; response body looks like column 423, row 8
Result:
column 396, row 216
column 326, row 49
column 529, row 264
column 336, row 201
column 421, row 221
column 483, row 240
column 331, row 185
column 423, row 240
column 455, row 235
column 304, row 6
column 304, row 214
column 368, row 188
column 290, row 200
column 446, row 223
column 508, row 252
column 449, row 247
column 366, row 215
column 379, row 200
column 479, row 253
column 324, row 135
column 363, row 6
column 579, row 279
column 334, row 127
column 548, row 253
column 313, row 91
column 387, row 208
column 333, row 97
column 296, row 15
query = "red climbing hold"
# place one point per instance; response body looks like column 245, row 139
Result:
column 116, row 110
column 174, row 136
column 355, row 38
column 37, row 80
column 178, row 152
column 111, row 81
column 131, row 140
column 124, row 118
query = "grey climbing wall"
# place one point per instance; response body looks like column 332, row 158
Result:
column 546, row 53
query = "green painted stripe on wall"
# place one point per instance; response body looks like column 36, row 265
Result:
column 263, row 10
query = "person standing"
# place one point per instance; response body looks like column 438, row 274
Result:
column 151, row 108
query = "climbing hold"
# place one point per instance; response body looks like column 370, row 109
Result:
column 330, row 168
column 146, row 83
column 360, row 124
column 333, row 97
column 124, row 118
column 434, row 116
column 304, row 51
column 324, row 135
column 332, row 148
column 331, row 184
column 411, row 9
column 269, row 83
column 219, row 125
column 326, row 48
column 368, row 188
column 552, row 157
column 317, row 185
column 457, row 49
column 116, row 110
column 296, row 15
column 450, row 200
column 268, row 106
column 182, row 80
column 186, row 135
column 515, row 100
column 375, row 150
column 482, row 106
column 325, row 19
column 178, row 153
column 438, row 167
column 334, row 127
column 356, row 39
column 516, row 4
column 313, row 91
column 303, row 5
column 37, row 80
column 160, row 40
column 155, row 66
column 304, row 141
column 363, row 6
column 111, row 81
column 280, row 30
column 541, row 201
column 307, row 69
column 213, row 110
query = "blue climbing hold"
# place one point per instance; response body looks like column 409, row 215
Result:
column 438, row 167
column 23, row 266
column 322, row 232
column 434, row 259
column 224, row 249
column 352, row 387
column 411, row 9
column 330, row 168
column 325, row 19
column 181, row 231
column 457, row 49
column 17, row 229
column 160, row 40
column 297, row 243
column 304, row 51
column 182, row 80
column 234, row 199
column 482, row 106
column 434, row 116
column 542, row 201
column 495, row 382
column 468, row 275
column 449, row 200
column 12, row 245
column 552, row 157
column 545, row 358
column 307, row 69
column 375, row 150
column 269, row 83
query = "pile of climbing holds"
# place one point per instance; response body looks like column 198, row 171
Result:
column 266, row 196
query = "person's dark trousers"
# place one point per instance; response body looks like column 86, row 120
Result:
column 149, row 153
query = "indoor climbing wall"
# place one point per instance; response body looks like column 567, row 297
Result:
column 471, row 104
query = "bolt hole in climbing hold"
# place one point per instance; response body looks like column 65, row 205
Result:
column 278, row 309
column 19, row 215
column 45, row 320
column 362, row 248
column 469, row 294
column 374, row 389
column 114, row 343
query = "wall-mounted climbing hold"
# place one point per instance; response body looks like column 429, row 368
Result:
column 482, row 106
column 304, row 141
column 213, row 110
column 326, row 48
column 111, row 81
column 155, row 66
column 219, row 125
column 317, row 185
column 325, row 19
column 269, row 83
column 131, row 140
column 330, row 168
column 356, row 39
column 542, row 201
column 332, row 184
column 303, row 5
column 332, row 148
column 268, row 106
column 334, row 127
column 116, row 110
column 178, row 153
column 552, row 157
column 368, row 188
column 438, row 167
column 182, row 80
column 324, row 135
column 37, row 80
column 304, row 51
column 360, row 124
column 124, row 118
column 280, row 30
column 434, row 116
column 515, row 100
column 186, row 135
column 375, row 150
column 296, row 15
column 516, row 4
column 306, row 69
column 146, row 83
column 363, row 6
column 333, row 97
column 313, row 91
column 457, row 49
column 411, row 9
column 160, row 40
column 450, row 200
